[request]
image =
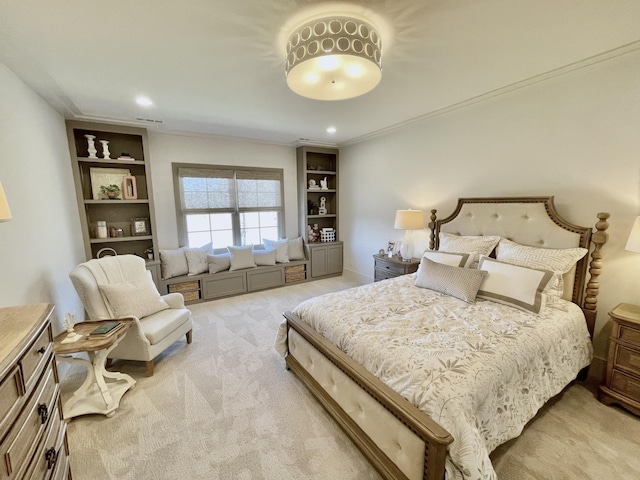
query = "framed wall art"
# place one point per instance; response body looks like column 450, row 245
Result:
column 107, row 176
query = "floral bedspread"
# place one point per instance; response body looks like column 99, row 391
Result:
column 480, row 370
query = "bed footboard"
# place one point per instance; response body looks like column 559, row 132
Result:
column 399, row 440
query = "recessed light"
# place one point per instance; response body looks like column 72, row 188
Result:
column 144, row 101
column 331, row 130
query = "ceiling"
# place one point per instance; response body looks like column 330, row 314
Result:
column 217, row 66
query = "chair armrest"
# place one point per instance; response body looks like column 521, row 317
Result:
column 175, row 300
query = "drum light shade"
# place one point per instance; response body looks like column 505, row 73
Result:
column 408, row 220
column 333, row 58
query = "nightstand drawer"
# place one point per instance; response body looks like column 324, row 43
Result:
column 392, row 267
column 627, row 359
column 629, row 335
column 384, row 274
column 625, row 384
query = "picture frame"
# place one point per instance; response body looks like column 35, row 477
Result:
column 391, row 245
column 107, row 176
column 140, row 226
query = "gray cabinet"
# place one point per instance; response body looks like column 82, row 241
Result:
column 325, row 258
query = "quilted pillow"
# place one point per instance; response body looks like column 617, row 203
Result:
column 219, row 263
column 558, row 260
column 476, row 244
column 462, row 283
column 241, row 257
column 281, row 247
column 514, row 285
column 138, row 297
column 447, row 258
column 265, row 257
column 197, row 258
column 173, row 263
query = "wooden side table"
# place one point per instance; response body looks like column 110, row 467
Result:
column 389, row 267
column 102, row 390
column 622, row 383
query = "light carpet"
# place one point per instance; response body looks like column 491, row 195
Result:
column 225, row 407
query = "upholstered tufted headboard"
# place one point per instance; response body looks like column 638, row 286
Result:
column 525, row 220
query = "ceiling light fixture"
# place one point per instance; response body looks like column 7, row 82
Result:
column 331, row 130
column 333, row 57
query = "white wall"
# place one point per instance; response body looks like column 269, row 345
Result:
column 168, row 148
column 576, row 137
column 40, row 246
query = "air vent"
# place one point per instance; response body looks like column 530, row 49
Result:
column 149, row 120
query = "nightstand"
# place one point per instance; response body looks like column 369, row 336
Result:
column 622, row 383
column 389, row 267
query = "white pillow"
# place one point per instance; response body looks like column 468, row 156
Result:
column 219, row 263
column 138, row 297
column 447, row 258
column 281, row 247
column 477, row 244
column 265, row 257
column 197, row 258
column 173, row 263
column 462, row 283
column 295, row 250
column 241, row 257
column 558, row 260
column 514, row 285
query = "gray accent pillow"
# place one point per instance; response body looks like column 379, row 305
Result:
column 448, row 258
column 173, row 263
column 219, row 263
column 295, row 248
column 458, row 282
column 265, row 257
column 241, row 257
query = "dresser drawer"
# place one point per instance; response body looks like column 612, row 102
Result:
column 19, row 445
column 11, row 389
column 629, row 335
column 35, row 357
column 627, row 359
column 384, row 274
column 48, row 454
column 625, row 384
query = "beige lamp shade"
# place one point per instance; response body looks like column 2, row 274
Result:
column 409, row 220
column 5, row 212
column 633, row 243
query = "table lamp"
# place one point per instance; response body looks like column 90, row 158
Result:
column 5, row 212
column 633, row 243
column 408, row 220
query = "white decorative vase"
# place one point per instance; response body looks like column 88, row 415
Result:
column 105, row 149
column 92, row 146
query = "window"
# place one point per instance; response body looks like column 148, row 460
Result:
column 228, row 205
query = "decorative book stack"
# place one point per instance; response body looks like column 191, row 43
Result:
column 106, row 329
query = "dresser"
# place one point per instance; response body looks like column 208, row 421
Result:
column 622, row 383
column 389, row 267
column 33, row 439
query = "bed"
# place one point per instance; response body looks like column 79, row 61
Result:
column 426, row 381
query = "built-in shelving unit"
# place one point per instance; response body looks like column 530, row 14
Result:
column 318, row 185
column 130, row 221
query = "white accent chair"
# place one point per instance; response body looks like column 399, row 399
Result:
column 150, row 335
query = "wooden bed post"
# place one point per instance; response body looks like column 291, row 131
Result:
column 432, row 229
column 599, row 238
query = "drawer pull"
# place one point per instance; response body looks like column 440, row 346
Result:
column 51, row 456
column 43, row 411
column 41, row 350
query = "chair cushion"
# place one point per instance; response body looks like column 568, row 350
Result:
column 138, row 297
column 159, row 326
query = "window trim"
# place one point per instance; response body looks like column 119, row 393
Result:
column 180, row 216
